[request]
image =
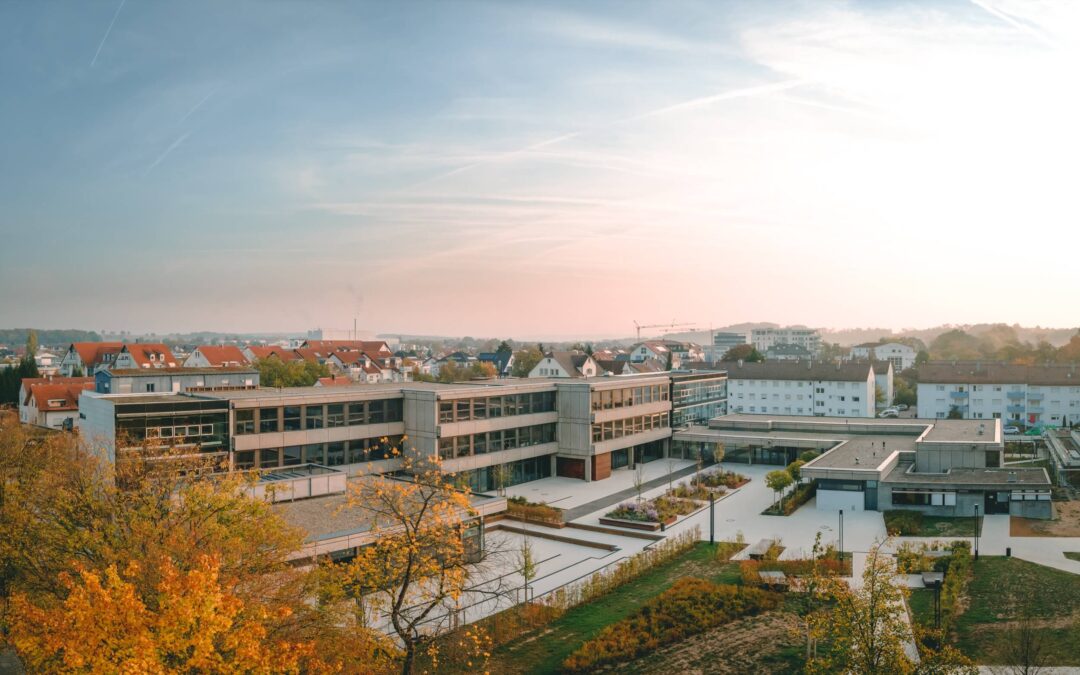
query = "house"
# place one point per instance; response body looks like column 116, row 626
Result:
column 377, row 348
column 817, row 388
column 1021, row 395
column 788, row 352
column 614, row 366
column 28, row 411
column 565, row 364
column 254, row 353
column 143, row 355
column 85, row 357
column 210, row 356
column 902, row 356
column 54, row 404
column 458, row 358
column 334, row 381
column 47, row 363
column 502, row 361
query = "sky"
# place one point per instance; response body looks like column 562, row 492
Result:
column 537, row 169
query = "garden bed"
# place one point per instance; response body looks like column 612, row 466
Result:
column 649, row 515
column 520, row 508
column 904, row 523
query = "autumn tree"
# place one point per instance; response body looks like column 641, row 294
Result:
column 747, row 353
column 866, row 629
column 150, row 535
column 525, row 360
column 273, row 372
column 425, row 553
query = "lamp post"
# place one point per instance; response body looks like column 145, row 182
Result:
column 712, row 518
column 976, row 532
column 841, row 538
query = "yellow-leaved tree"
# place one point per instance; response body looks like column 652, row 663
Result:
column 426, row 555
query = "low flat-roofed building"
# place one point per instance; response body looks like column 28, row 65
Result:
column 939, row 467
column 174, row 380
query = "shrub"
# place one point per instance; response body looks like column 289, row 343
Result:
column 719, row 479
column 792, row 502
column 903, row 523
column 523, row 509
column 726, row 550
column 643, row 512
column 689, row 607
column 691, row 491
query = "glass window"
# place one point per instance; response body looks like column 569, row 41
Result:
column 395, row 410
column 462, row 449
column 357, row 451
column 268, row 420
column 376, row 412
column 494, row 406
column 479, row 409
column 313, row 416
column 244, row 460
column 269, row 458
column 245, row 422
column 446, row 448
column 335, row 415
column 464, row 410
column 480, row 444
column 292, row 455
column 356, row 414
column 335, row 454
column 291, row 418
column 446, row 412
column 313, row 454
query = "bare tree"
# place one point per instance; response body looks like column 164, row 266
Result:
column 1023, row 648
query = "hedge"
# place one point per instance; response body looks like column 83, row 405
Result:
column 689, row 607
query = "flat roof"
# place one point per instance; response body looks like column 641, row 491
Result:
column 159, row 372
column 863, row 452
column 1028, row 477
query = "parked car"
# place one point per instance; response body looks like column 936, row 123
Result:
column 901, row 406
column 889, row 413
column 1011, row 429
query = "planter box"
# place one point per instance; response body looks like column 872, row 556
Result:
column 648, row 526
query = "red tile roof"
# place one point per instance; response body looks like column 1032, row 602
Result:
column 91, row 352
column 41, row 394
column 326, row 346
column 30, row 382
column 142, row 351
column 267, row 352
column 222, row 355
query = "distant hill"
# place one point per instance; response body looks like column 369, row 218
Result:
column 51, row 338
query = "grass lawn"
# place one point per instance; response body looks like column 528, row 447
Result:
column 1003, row 590
column 1072, row 555
column 921, row 602
column 544, row 653
column 934, row 526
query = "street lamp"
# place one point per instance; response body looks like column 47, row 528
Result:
column 976, row 532
column 712, row 518
column 841, row 538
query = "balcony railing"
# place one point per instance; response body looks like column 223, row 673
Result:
column 958, row 394
column 1015, row 394
column 1015, row 408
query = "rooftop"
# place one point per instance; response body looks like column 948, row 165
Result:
column 820, row 371
column 1001, row 477
column 976, row 372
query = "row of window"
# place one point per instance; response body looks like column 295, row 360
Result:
column 490, row 407
column 495, row 441
column 628, row 426
column 798, row 397
column 916, row 497
column 686, row 393
column 326, row 454
column 185, row 431
column 298, row 418
column 623, row 398
column 797, row 383
column 1012, row 388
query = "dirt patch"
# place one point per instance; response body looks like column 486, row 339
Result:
column 1066, row 523
column 751, row 645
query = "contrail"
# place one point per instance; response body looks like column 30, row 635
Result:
column 745, row 92
column 107, row 31
column 1038, row 35
column 162, row 156
column 199, row 104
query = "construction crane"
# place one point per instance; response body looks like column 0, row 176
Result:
column 670, row 326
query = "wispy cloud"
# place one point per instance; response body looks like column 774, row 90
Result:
column 1015, row 23
column 107, row 31
column 161, row 158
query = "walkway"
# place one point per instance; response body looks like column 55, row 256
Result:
column 622, row 495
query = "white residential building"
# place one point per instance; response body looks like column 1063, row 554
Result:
column 565, row 364
column 1018, row 394
column 901, row 356
column 820, row 389
column 764, row 338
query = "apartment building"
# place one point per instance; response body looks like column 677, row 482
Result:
column 217, row 356
column 788, row 352
column 490, row 433
column 938, row 467
column 808, row 338
column 1022, row 395
column 817, row 388
column 901, row 356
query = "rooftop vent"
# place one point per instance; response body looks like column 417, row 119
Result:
column 1012, row 477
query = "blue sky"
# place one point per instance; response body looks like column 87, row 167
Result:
column 535, row 169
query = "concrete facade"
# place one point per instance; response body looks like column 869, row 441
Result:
column 1022, row 395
